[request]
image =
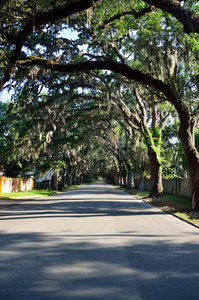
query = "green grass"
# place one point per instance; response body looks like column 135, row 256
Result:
column 184, row 201
column 135, row 192
column 33, row 193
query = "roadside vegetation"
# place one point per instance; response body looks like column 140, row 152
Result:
column 33, row 193
column 177, row 205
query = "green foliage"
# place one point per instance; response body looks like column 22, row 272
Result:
column 51, row 124
column 168, row 172
column 157, row 136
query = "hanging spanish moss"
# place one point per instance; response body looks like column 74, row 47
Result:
column 89, row 16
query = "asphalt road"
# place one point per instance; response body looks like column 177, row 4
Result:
column 96, row 242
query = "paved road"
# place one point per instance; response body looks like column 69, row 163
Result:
column 96, row 242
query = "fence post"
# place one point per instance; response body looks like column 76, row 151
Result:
column 1, row 184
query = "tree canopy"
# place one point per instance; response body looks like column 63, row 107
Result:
column 131, row 68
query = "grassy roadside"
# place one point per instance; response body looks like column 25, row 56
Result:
column 177, row 205
column 33, row 193
column 27, row 194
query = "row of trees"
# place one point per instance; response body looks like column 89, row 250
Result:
column 132, row 67
column 90, row 134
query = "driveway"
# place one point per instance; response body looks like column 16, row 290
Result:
column 96, row 242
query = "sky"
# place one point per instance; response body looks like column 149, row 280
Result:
column 5, row 95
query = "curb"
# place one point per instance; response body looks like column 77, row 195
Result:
column 173, row 214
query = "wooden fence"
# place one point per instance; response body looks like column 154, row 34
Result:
column 8, row 185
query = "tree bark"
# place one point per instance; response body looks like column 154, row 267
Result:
column 63, row 181
column 123, row 174
column 186, row 134
column 194, row 180
column 155, row 173
column 74, row 177
column 129, row 182
column 54, row 182
column 141, row 183
column 69, row 183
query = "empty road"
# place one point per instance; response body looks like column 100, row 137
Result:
column 95, row 242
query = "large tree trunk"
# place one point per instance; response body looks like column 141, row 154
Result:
column 74, row 178
column 124, row 176
column 141, row 183
column 117, row 175
column 122, row 172
column 194, row 181
column 54, row 182
column 120, row 180
column 63, row 180
column 186, row 134
column 155, row 173
column 69, row 183
column 124, row 180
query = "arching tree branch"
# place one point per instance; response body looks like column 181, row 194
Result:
column 117, row 67
column 58, row 13
column 132, row 12
column 184, row 15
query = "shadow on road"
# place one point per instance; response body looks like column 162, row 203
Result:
column 73, row 204
column 78, row 208
column 64, row 265
column 36, row 269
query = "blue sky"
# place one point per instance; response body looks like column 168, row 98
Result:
column 5, row 95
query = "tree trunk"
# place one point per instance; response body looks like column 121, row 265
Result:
column 74, row 178
column 63, row 181
column 194, row 182
column 69, row 183
column 193, row 168
column 117, row 175
column 129, row 183
column 186, row 134
column 119, row 180
column 54, row 182
column 141, row 183
column 124, row 178
column 136, row 185
column 123, row 172
column 78, row 179
column 155, row 173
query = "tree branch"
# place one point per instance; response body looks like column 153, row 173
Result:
column 132, row 12
column 117, row 67
column 142, row 108
column 57, row 13
column 122, row 69
column 184, row 15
